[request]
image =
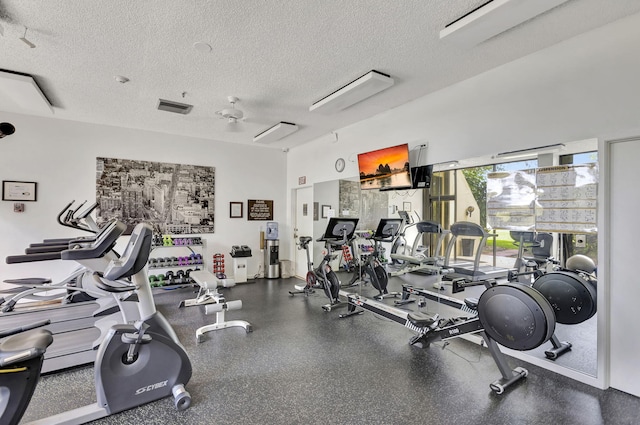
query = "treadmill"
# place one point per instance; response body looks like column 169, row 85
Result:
column 77, row 327
column 471, row 271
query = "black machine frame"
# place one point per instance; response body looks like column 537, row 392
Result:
column 431, row 328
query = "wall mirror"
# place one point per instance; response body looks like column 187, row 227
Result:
column 460, row 194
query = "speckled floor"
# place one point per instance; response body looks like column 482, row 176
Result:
column 302, row 365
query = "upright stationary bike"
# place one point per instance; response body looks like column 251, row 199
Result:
column 135, row 364
column 339, row 232
column 372, row 267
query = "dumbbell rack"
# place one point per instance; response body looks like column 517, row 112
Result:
column 173, row 258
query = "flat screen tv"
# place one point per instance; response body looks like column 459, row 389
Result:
column 421, row 176
column 385, row 169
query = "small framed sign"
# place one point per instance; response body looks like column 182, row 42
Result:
column 19, row 191
column 235, row 209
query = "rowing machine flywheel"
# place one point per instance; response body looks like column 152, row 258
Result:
column 516, row 316
column 573, row 298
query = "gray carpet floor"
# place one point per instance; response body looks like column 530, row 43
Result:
column 302, row 365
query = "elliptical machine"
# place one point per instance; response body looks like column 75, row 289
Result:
column 135, row 364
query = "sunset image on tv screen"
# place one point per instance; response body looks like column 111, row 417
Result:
column 385, row 168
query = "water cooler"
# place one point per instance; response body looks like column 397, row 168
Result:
column 271, row 247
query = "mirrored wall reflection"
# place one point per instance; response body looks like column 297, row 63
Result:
column 345, row 198
column 460, row 195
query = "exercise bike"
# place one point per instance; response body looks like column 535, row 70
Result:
column 21, row 355
column 399, row 245
column 528, row 268
column 78, row 326
column 135, row 364
column 372, row 267
column 339, row 232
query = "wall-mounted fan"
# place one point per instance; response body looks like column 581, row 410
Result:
column 232, row 115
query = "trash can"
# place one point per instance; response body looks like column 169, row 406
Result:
column 285, row 269
column 271, row 261
column 467, row 247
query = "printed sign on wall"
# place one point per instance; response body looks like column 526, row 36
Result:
column 260, row 210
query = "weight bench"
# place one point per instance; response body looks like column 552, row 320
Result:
column 214, row 302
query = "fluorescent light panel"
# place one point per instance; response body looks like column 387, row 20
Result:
column 447, row 164
column 493, row 18
column 356, row 91
column 522, row 153
column 277, row 132
column 23, row 91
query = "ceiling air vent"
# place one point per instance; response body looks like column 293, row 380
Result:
column 177, row 107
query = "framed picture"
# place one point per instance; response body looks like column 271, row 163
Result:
column 406, row 206
column 259, row 209
column 325, row 211
column 19, row 191
column 235, row 209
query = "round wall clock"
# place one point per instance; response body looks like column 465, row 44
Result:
column 340, row 165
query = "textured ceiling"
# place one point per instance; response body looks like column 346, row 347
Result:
column 276, row 56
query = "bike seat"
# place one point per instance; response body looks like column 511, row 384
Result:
column 472, row 303
column 28, row 344
column 305, row 240
column 421, row 320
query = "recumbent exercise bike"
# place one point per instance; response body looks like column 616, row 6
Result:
column 135, row 364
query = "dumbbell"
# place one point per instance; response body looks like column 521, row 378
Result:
column 167, row 240
column 180, row 276
column 169, row 277
column 187, row 276
column 198, row 258
column 153, row 262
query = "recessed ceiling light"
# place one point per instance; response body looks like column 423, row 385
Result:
column 202, row 47
column 121, row 79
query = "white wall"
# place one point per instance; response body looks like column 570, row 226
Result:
column 623, row 288
column 61, row 157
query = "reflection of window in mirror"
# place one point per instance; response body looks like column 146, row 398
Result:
column 452, row 195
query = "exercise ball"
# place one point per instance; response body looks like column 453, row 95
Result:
column 581, row 262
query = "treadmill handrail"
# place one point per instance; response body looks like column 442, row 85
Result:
column 28, row 258
column 83, row 249
column 80, row 248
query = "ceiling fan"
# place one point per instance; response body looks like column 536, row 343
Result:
column 232, row 114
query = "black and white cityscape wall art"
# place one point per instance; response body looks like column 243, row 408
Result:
column 173, row 198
